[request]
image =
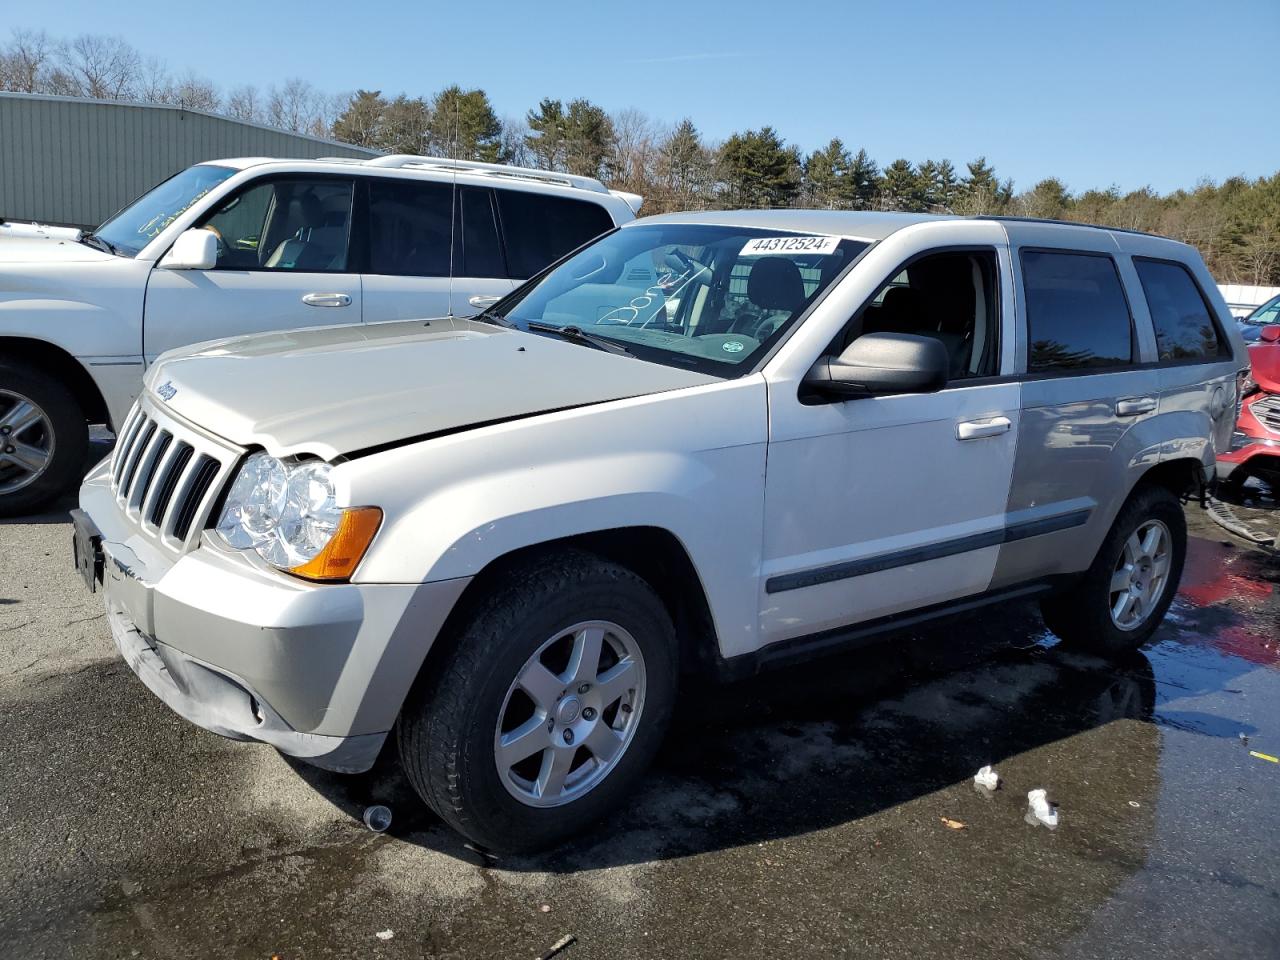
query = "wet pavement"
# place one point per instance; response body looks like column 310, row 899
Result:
column 798, row 814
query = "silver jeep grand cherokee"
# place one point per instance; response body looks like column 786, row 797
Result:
column 703, row 442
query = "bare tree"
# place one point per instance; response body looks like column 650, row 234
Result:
column 25, row 62
column 244, row 103
column 106, row 68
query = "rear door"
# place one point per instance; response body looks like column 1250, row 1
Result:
column 1088, row 396
column 284, row 261
column 407, row 255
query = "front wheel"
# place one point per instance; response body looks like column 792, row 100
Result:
column 1121, row 599
column 546, row 706
column 43, row 440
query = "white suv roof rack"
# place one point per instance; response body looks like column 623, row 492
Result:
column 402, row 160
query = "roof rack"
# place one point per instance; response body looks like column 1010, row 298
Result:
column 403, row 160
column 1066, row 223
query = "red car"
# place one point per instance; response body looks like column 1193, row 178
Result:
column 1255, row 445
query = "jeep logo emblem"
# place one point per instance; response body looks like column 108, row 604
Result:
column 166, row 391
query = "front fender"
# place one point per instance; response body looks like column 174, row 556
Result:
column 690, row 462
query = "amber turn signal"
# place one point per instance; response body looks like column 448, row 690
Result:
column 342, row 554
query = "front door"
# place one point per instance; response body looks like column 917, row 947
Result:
column 283, row 254
column 883, row 504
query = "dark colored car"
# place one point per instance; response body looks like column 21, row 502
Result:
column 1267, row 315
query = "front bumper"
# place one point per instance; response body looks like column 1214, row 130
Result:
column 317, row 670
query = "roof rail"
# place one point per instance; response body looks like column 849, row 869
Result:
column 401, row 160
column 1066, row 223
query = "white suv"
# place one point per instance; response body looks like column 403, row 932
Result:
column 241, row 246
column 504, row 538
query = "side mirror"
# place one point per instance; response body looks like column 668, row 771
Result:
column 882, row 363
column 1270, row 334
column 193, row 250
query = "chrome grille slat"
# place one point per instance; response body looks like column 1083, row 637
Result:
column 167, row 475
column 140, row 444
column 163, row 464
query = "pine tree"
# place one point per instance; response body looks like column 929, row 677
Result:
column 463, row 126
column 901, row 187
column 545, row 139
column 863, row 181
column 826, row 176
column 758, row 170
column 361, row 123
column 589, row 140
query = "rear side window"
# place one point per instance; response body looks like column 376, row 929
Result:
column 1077, row 315
column 409, row 227
column 540, row 229
column 1184, row 326
column 481, row 253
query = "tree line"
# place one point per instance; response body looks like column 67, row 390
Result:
column 1235, row 223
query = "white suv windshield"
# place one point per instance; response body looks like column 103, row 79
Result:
column 711, row 298
column 137, row 224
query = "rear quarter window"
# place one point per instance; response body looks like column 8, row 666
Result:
column 1184, row 325
column 540, row 229
column 1077, row 315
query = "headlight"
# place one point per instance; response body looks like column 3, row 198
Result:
column 286, row 512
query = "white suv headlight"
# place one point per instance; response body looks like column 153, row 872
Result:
column 285, row 511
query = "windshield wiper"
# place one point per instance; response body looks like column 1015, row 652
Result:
column 578, row 335
column 98, row 243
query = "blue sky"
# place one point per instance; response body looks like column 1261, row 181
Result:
column 1131, row 93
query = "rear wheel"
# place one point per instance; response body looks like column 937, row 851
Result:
column 43, row 440
column 547, row 706
column 1121, row 599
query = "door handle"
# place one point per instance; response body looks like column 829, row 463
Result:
column 986, row 427
column 482, row 301
column 1134, row 406
column 326, row 300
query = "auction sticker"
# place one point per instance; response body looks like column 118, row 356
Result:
column 761, row 246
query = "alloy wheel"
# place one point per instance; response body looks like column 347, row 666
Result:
column 1141, row 574
column 570, row 714
column 26, row 441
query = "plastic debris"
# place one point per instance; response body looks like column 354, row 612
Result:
column 1040, row 811
column 1264, row 756
column 1135, row 804
column 385, row 934
column 952, row 824
column 565, row 941
column 545, row 908
column 986, row 778
column 377, row 818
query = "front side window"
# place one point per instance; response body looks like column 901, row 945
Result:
column 1077, row 315
column 141, row 221
column 540, row 229
column 952, row 297
column 285, row 224
column 710, row 298
column 1184, row 326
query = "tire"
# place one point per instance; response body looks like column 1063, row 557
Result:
column 468, row 697
column 61, row 428
column 1084, row 616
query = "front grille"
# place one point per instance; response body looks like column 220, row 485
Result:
column 1267, row 410
column 166, row 476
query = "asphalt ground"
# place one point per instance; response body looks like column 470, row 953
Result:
column 798, row 814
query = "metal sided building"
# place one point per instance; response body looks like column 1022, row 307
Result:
column 73, row 161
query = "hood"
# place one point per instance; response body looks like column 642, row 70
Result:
column 331, row 391
column 1264, row 359
column 46, row 249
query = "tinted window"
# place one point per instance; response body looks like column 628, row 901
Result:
column 540, row 229
column 1076, row 312
column 409, row 227
column 301, row 225
column 951, row 297
column 481, row 252
column 1184, row 327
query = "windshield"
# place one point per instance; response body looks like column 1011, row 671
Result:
column 137, row 224
column 1269, row 312
column 709, row 298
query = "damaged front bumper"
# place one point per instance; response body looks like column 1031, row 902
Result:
column 318, row 671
